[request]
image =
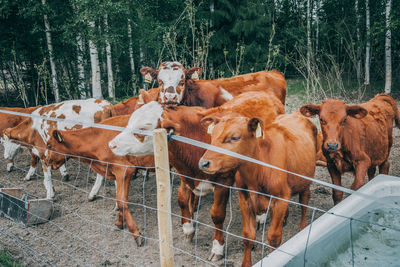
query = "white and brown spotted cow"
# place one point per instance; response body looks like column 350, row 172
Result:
column 179, row 86
column 35, row 132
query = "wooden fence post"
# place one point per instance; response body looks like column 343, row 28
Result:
column 163, row 197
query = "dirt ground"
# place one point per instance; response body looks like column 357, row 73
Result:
column 82, row 233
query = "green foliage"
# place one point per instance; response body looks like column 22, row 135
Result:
column 224, row 37
column 7, row 260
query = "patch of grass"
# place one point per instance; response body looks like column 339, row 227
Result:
column 7, row 260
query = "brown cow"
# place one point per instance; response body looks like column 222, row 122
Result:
column 177, row 85
column 288, row 143
column 356, row 138
column 185, row 121
column 8, row 121
column 133, row 103
column 34, row 132
column 81, row 144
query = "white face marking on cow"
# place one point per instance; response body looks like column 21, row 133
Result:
column 11, row 149
column 171, row 74
column 89, row 107
column 203, row 189
column 144, row 118
column 225, row 94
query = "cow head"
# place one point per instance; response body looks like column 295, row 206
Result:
column 54, row 159
column 144, row 118
column 334, row 115
column 11, row 149
column 171, row 77
column 235, row 133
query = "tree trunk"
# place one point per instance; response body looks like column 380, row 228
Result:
column 131, row 59
column 358, row 48
column 317, row 27
column 51, row 55
column 368, row 45
column 95, row 66
column 308, row 43
column 388, row 50
column 81, row 69
column 110, row 76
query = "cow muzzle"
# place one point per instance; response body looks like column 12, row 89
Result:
column 204, row 164
column 332, row 146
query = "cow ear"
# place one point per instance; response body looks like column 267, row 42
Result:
column 356, row 111
column 256, row 125
column 171, row 126
column 149, row 74
column 193, row 73
column 144, row 97
column 57, row 135
column 310, row 110
column 209, row 123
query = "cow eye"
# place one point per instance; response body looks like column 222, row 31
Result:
column 344, row 121
column 234, row 138
column 322, row 121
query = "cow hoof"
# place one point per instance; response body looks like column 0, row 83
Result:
column 119, row 224
column 140, row 241
column 189, row 237
column 215, row 257
column 91, row 198
column 66, row 177
column 116, row 207
column 10, row 167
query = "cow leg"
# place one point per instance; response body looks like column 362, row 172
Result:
column 336, row 177
column 96, row 187
column 261, row 214
column 218, row 213
column 185, row 196
column 64, row 173
column 274, row 234
column 124, row 213
column 32, row 168
column 384, row 167
column 371, row 172
column 249, row 229
column 47, row 181
column 361, row 171
column 10, row 165
column 304, row 198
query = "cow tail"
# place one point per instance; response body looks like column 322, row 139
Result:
column 388, row 99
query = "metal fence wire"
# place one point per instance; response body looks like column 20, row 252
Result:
column 82, row 232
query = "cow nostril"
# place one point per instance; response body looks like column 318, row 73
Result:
column 112, row 145
column 332, row 146
column 204, row 164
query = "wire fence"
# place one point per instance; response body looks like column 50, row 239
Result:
column 82, row 232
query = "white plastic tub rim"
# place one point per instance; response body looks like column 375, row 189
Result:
column 327, row 234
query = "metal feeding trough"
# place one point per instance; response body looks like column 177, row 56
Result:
column 24, row 208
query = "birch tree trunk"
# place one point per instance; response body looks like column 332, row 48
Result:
column 95, row 66
column 110, row 76
column 131, row 59
column 358, row 50
column 81, row 69
column 308, row 43
column 51, row 55
column 368, row 45
column 388, row 50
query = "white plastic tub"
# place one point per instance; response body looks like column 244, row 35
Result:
column 330, row 235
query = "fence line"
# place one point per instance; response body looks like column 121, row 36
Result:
column 167, row 242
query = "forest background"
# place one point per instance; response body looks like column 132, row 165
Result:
column 52, row 50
